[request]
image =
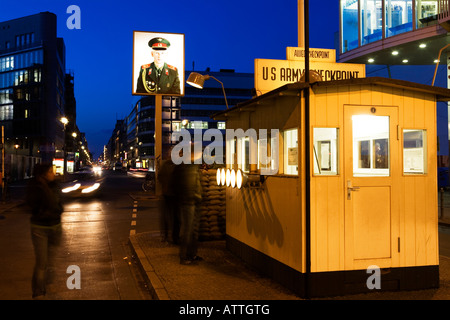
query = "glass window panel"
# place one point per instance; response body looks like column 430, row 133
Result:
column 349, row 27
column 398, row 16
column 325, row 149
column 290, row 152
column 370, row 145
column 268, row 153
column 371, row 21
column 414, row 151
column 426, row 13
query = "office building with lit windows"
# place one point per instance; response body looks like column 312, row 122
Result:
column 406, row 40
column 191, row 111
column 32, row 86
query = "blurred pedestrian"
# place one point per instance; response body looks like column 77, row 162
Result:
column 169, row 205
column 46, row 209
column 189, row 192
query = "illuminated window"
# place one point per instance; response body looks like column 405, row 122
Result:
column 244, row 153
column 326, row 151
column 6, row 112
column 398, row 16
column 426, row 13
column 370, row 146
column 268, row 153
column 221, row 125
column 414, row 151
column 371, row 21
column 291, row 151
column 349, row 25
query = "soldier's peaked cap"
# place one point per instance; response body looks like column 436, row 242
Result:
column 159, row 43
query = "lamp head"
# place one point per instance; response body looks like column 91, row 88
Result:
column 197, row 80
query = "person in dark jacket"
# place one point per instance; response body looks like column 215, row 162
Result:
column 189, row 192
column 46, row 209
column 170, row 224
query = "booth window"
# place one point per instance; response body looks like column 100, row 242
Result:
column 370, row 145
column 231, row 155
column 268, row 153
column 291, row 151
column 325, row 151
column 414, row 151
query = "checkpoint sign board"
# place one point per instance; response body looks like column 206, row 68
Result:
column 272, row 74
column 158, row 63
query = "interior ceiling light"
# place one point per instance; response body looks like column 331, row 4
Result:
column 405, row 60
column 394, row 53
column 422, row 45
column 371, row 60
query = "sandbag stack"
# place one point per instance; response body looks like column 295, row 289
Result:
column 212, row 208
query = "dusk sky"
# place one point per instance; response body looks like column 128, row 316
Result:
column 218, row 34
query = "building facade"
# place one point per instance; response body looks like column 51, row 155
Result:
column 402, row 39
column 32, row 92
column 192, row 111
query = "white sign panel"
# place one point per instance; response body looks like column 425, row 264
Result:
column 317, row 55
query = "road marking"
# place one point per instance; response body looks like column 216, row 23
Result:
column 133, row 216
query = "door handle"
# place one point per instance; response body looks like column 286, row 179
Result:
column 350, row 189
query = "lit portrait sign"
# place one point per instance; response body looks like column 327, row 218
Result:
column 158, row 63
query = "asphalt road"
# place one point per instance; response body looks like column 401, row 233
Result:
column 95, row 242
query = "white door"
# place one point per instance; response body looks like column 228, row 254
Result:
column 370, row 167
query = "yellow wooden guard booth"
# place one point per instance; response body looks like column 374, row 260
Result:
column 370, row 199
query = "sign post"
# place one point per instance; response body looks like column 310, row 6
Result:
column 158, row 141
column 158, row 69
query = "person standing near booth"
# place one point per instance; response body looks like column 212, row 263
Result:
column 189, row 193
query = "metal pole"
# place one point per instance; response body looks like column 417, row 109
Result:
column 3, row 165
column 301, row 19
column 307, row 157
column 158, row 140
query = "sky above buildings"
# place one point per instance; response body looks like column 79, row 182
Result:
column 219, row 34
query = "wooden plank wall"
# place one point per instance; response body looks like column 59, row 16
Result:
column 418, row 205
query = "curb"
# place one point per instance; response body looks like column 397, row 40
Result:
column 157, row 289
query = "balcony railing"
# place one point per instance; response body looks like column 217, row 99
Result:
column 444, row 14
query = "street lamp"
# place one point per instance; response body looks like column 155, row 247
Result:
column 64, row 121
column 197, row 80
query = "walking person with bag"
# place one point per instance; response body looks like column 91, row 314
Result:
column 46, row 209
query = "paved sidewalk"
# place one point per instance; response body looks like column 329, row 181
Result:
column 223, row 276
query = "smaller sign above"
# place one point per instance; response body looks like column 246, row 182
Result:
column 315, row 55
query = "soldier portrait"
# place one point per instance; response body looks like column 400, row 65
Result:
column 159, row 75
